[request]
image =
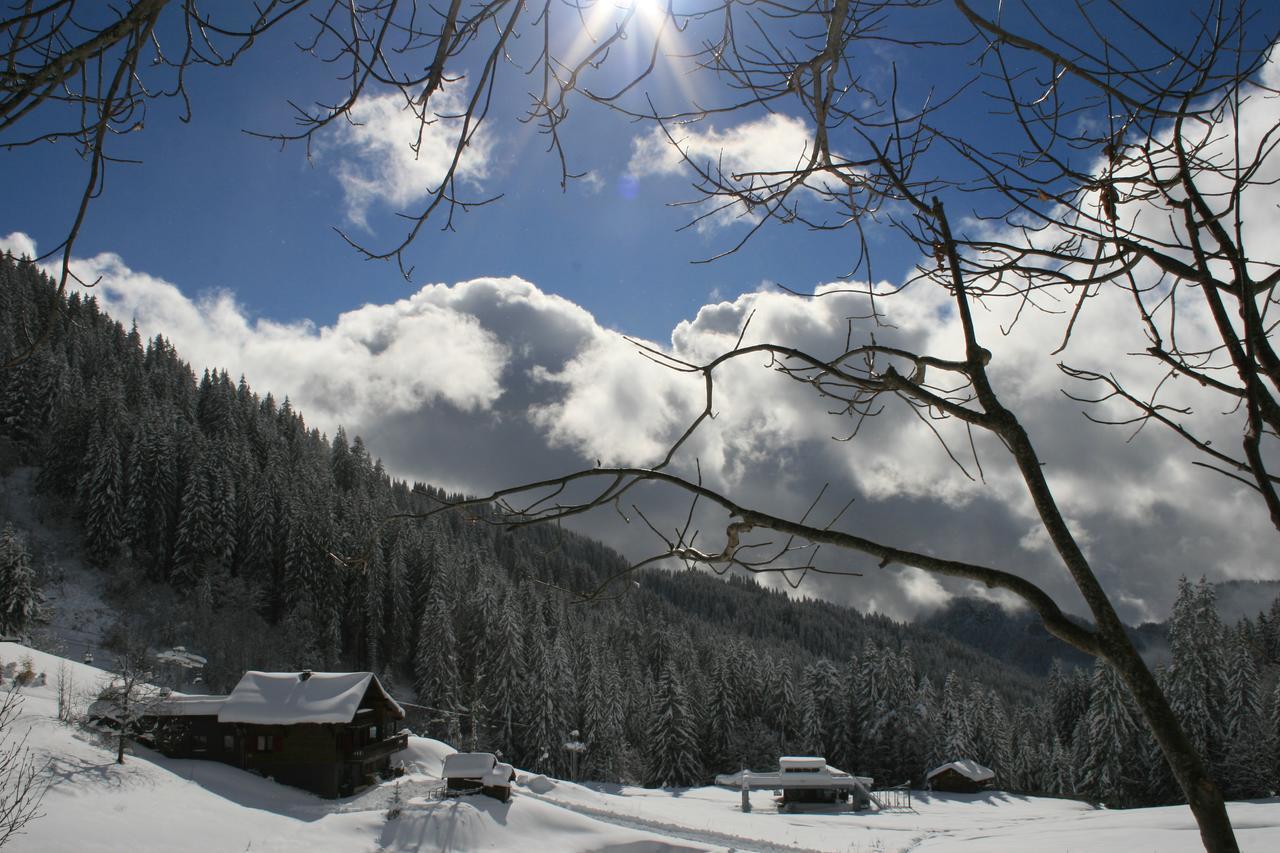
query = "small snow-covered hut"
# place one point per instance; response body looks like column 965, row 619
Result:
column 467, row 772
column 963, row 777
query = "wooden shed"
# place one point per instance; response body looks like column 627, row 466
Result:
column 478, row 772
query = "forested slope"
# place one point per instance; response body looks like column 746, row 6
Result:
column 219, row 516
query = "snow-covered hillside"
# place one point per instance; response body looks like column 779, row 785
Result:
column 157, row 804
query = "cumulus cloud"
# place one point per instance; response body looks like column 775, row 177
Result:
column 386, row 154
column 18, row 244
column 490, row 382
column 376, row 359
column 775, row 143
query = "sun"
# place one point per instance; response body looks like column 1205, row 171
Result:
column 649, row 12
column 638, row 22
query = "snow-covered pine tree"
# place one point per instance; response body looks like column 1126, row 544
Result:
column 957, row 721
column 673, row 734
column 222, row 492
column 372, row 604
column 1245, row 771
column 820, row 708
column 564, row 661
column 436, row 668
column 1111, row 733
column 102, row 497
column 152, row 467
column 399, row 601
column 1270, row 744
column 195, row 539
column 1069, row 699
column 782, row 714
column 926, row 709
column 603, row 717
column 721, row 716
column 1241, row 686
column 545, row 728
column 1197, row 687
column 502, row 677
column 19, row 597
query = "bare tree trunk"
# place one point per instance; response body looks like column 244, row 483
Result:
column 1115, row 647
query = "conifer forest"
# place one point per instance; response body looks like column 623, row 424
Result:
column 218, row 517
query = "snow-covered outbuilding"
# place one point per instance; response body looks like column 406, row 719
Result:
column 964, row 776
column 469, row 772
column 327, row 732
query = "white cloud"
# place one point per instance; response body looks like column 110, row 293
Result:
column 774, row 143
column 18, row 244
column 381, row 159
column 375, row 361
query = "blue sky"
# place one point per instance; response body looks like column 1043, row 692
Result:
column 213, row 207
column 501, row 359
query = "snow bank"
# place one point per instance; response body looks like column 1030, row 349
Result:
column 423, row 756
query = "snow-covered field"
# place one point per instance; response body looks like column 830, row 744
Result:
column 158, row 804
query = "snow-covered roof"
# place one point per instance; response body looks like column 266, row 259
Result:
column 499, row 775
column 806, row 763
column 183, row 705
column 827, row 777
column 183, row 658
column 965, row 767
column 149, row 703
column 468, row 765
column 283, row 698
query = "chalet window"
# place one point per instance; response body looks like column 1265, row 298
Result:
column 228, row 742
column 373, row 733
column 264, row 743
column 199, row 743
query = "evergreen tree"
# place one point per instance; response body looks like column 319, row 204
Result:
column 436, row 668
column 603, row 715
column 373, row 601
column 502, row 677
column 195, row 536
column 102, row 496
column 1068, row 699
column 545, row 730
column 957, row 721
column 672, row 735
column 821, row 708
column 1197, row 688
column 1111, row 733
column 721, row 717
column 1244, row 766
column 19, row 597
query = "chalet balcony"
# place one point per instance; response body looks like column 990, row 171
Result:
column 395, row 743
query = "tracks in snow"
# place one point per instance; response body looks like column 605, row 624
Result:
column 674, row 830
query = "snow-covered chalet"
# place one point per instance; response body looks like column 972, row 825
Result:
column 327, row 732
